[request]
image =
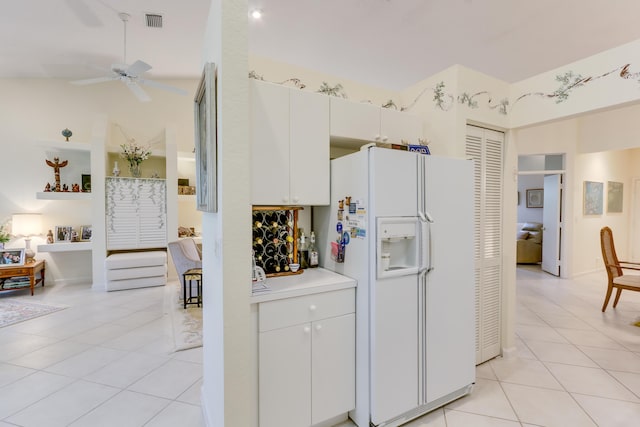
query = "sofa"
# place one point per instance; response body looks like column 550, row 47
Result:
column 529, row 243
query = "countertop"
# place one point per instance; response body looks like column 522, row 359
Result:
column 311, row 281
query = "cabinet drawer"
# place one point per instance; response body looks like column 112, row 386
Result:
column 308, row 308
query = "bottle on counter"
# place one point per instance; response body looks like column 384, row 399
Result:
column 303, row 251
column 313, row 251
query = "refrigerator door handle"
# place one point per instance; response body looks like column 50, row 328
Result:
column 421, row 189
column 426, row 252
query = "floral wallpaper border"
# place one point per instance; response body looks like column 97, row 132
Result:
column 568, row 83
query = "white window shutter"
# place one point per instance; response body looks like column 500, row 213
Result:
column 486, row 148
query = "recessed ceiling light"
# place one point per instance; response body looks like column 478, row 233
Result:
column 256, row 14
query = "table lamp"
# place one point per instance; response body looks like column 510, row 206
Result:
column 27, row 225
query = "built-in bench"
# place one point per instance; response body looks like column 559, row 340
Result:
column 131, row 270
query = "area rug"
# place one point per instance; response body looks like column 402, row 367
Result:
column 185, row 325
column 14, row 311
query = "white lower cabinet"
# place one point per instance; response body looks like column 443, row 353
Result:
column 306, row 368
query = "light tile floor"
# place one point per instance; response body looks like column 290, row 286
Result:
column 105, row 361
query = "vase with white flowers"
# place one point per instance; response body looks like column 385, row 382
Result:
column 4, row 235
column 134, row 154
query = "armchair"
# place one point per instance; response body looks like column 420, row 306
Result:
column 185, row 255
column 614, row 267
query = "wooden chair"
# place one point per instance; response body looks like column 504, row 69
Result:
column 614, row 269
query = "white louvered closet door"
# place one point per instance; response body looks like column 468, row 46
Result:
column 136, row 213
column 486, row 147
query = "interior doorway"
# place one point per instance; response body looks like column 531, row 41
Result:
column 541, row 201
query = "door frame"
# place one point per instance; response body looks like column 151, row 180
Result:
column 563, row 210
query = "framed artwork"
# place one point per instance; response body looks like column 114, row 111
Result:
column 592, row 197
column 614, row 197
column 85, row 233
column 206, row 141
column 12, row 257
column 535, row 198
column 63, row 233
column 86, row 183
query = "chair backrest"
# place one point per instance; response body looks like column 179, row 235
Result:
column 609, row 253
column 185, row 255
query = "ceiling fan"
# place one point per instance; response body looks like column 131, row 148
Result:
column 130, row 74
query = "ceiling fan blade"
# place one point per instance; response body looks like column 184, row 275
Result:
column 138, row 92
column 162, row 86
column 92, row 81
column 137, row 68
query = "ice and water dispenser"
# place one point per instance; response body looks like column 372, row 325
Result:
column 398, row 246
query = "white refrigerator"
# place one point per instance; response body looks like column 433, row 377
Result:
column 404, row 222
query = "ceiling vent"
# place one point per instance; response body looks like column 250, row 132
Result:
column 154, row 20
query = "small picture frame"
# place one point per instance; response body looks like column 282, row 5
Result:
column 86, row 183
column 11, row 257
column 85, row 233
column 535, row 198
column 63, row 233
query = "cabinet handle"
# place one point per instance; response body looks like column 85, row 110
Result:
column 384, row 138
column 377, row 138
column 285, row 199
column 296, row 199
column 312, row 307
column 306, row 329
column 318, row 327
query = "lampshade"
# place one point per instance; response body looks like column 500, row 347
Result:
column 26, row 224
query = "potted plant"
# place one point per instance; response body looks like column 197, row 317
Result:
column 135, row 155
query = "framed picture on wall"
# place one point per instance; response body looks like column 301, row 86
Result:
column 535, row 198
column 614, row 197
column 206, row 141
column 592, row 197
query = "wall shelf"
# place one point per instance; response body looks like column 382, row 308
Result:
column 62, row 195
column 63, row 145
column 65, row 247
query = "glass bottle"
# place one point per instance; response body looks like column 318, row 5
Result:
column 303, row 251
column 313, row 252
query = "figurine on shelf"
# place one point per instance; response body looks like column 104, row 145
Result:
column 50, row 237
column 56, row 165
column 116, row 169
column 75, row 188
column 47, row 188
column 65, row 188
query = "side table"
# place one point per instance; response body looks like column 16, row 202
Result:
column 26, row 270
column 193, row 274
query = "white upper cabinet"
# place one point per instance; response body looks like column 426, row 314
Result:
column 367, row 122
column 354, row 120
column 309, row 148
column 269, row 119
column 290, row 145
column 396, row 126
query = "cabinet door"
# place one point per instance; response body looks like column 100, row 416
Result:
column 285, row 377
column 354, row 120
column 269, row 134
column 333, row 367
column 396, row 126
column 309, row 148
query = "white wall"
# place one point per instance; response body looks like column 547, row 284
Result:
column 227, row 234
column 602, row 92
column 602, row 167
column 527, row 182
column 33, row 110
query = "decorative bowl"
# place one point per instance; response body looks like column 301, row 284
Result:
column 294, row 267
